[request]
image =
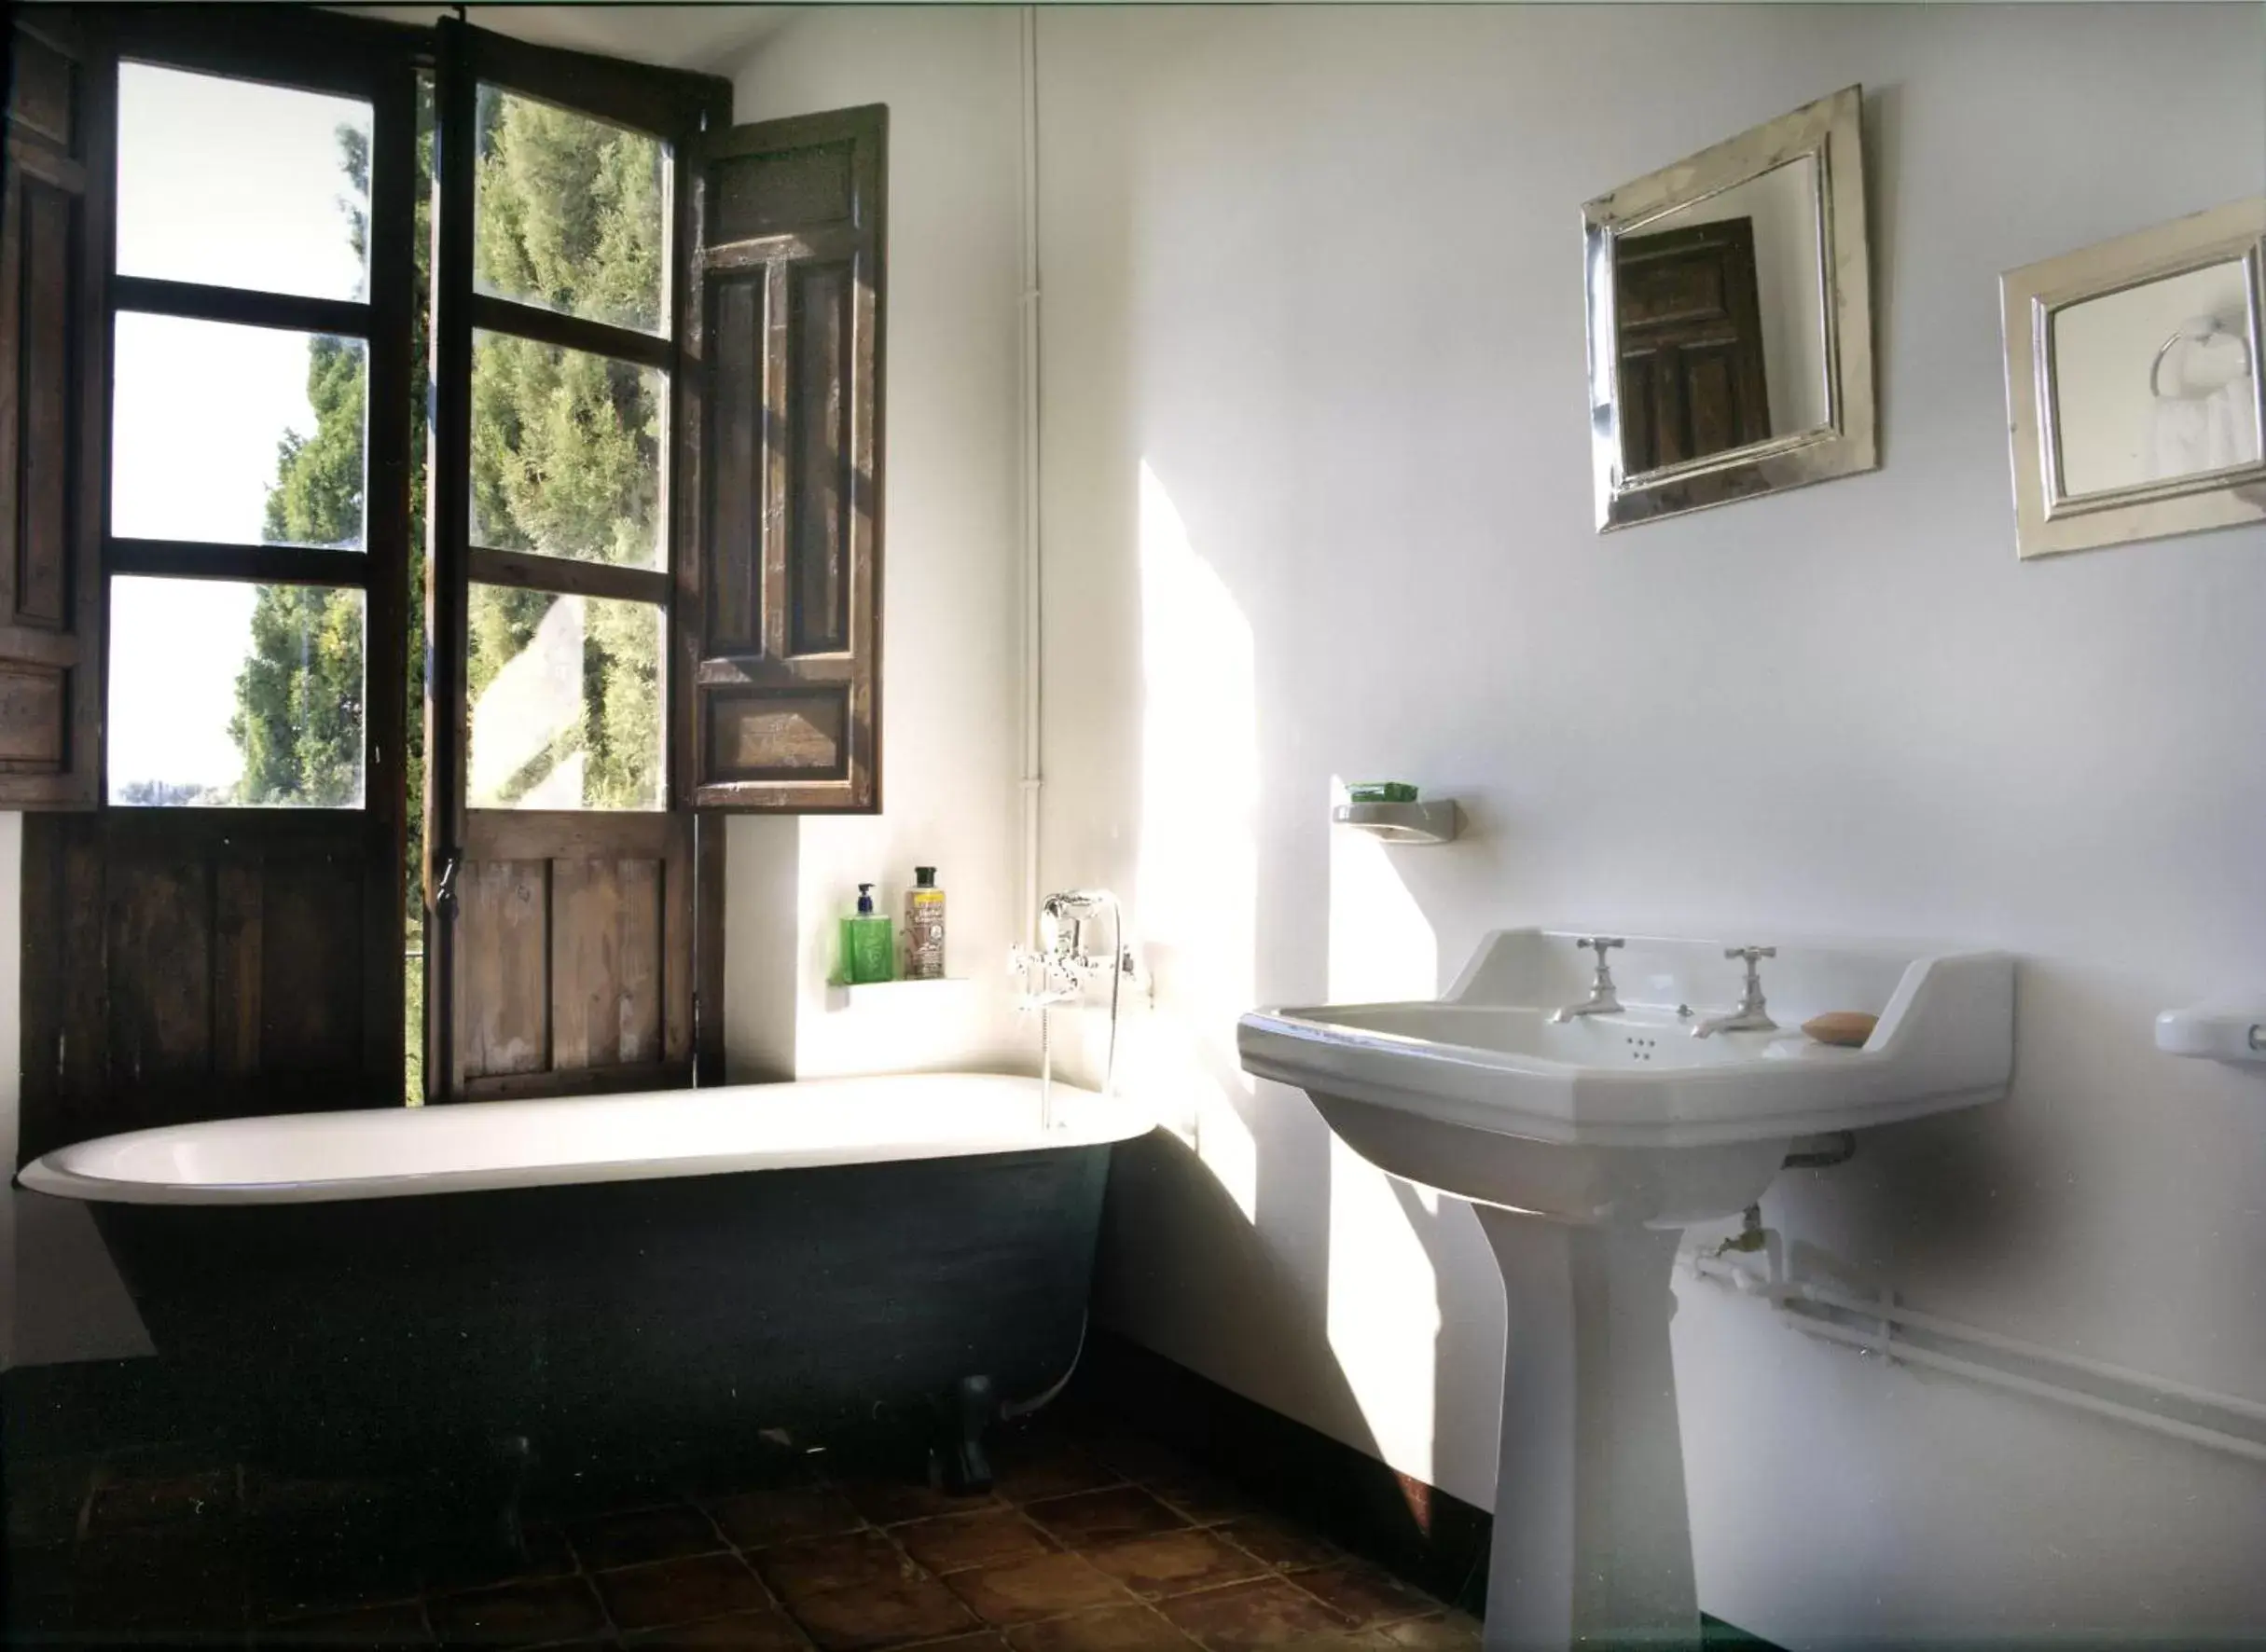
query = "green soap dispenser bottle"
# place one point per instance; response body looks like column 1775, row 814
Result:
column 869, row 951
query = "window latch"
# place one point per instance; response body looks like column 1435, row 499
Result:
column 443, row 890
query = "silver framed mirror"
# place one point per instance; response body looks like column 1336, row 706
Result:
column 1730, row 320
column 2133, row 396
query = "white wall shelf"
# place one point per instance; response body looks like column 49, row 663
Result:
column 1431, row 819
column 898, row 994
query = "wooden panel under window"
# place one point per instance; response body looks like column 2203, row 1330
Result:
column 504, row 921
column 178, row 966
column 779, row 615
column 52, row 362
column 574, row 953
column 606, row 961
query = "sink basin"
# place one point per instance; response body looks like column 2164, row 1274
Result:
column 1627, row 1117
column 1585, row 1147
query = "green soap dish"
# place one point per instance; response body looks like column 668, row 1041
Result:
column 1381, row 791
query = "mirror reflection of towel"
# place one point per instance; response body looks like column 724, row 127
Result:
column 2188, row 434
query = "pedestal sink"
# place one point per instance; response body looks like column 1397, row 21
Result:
column 1586, row 1145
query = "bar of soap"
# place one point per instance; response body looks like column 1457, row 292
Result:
column 1851, row 1028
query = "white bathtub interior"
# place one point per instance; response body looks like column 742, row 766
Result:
column 313, row 1157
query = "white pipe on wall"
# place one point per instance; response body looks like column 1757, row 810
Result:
column 2232, row 1444
column 1784, row 1294
column 1029, row 593
column 2232, row 1403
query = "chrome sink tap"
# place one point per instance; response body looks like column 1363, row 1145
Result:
column 1602, row 1000
column 1751, row 1016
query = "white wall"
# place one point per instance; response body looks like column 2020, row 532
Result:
column 950, row 78
column 1317, row 505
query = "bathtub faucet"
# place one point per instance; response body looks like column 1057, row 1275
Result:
column 1046, row 977
column 1057, row 970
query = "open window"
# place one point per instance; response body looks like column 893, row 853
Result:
column 221, row 933
column 616, row 363
column 657, row 424
column 564, row 939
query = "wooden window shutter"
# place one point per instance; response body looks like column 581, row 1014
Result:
column 53, row 412
column 779, row 611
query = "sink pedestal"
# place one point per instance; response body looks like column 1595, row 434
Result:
column 1593, row 1536
column 1587, row 1143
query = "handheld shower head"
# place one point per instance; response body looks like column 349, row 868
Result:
column 1076, row 903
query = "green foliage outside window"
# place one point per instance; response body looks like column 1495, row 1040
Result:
column 566, row 446
column 565, row 460
column 569, row 213
column 299, row 699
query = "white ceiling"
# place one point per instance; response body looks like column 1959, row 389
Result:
column 713, row 37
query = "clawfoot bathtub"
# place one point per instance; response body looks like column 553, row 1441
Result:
column 818, row 1257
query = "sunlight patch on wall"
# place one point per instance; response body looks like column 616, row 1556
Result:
column 1382, row 947
column 1384, row 1308
column 1384, row 1304
column 1194, row 908
column 1171, row 1062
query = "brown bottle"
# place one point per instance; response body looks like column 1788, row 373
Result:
column 924, row 926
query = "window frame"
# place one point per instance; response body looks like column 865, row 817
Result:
column 625, row 95
column 468, row 850
column 164, row 945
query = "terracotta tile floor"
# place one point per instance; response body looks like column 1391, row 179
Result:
column 1081, row 1547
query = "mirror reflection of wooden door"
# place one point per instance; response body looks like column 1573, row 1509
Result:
column 1690, row 322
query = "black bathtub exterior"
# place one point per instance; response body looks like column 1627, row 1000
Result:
column 822, row 1302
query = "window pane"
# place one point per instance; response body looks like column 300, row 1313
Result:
column 239, row 185
column 569, row 213
column 244, row 436
column 223, row 692
column 566, row 452
column 565, row 695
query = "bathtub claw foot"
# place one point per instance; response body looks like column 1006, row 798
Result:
column 969, row 1411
